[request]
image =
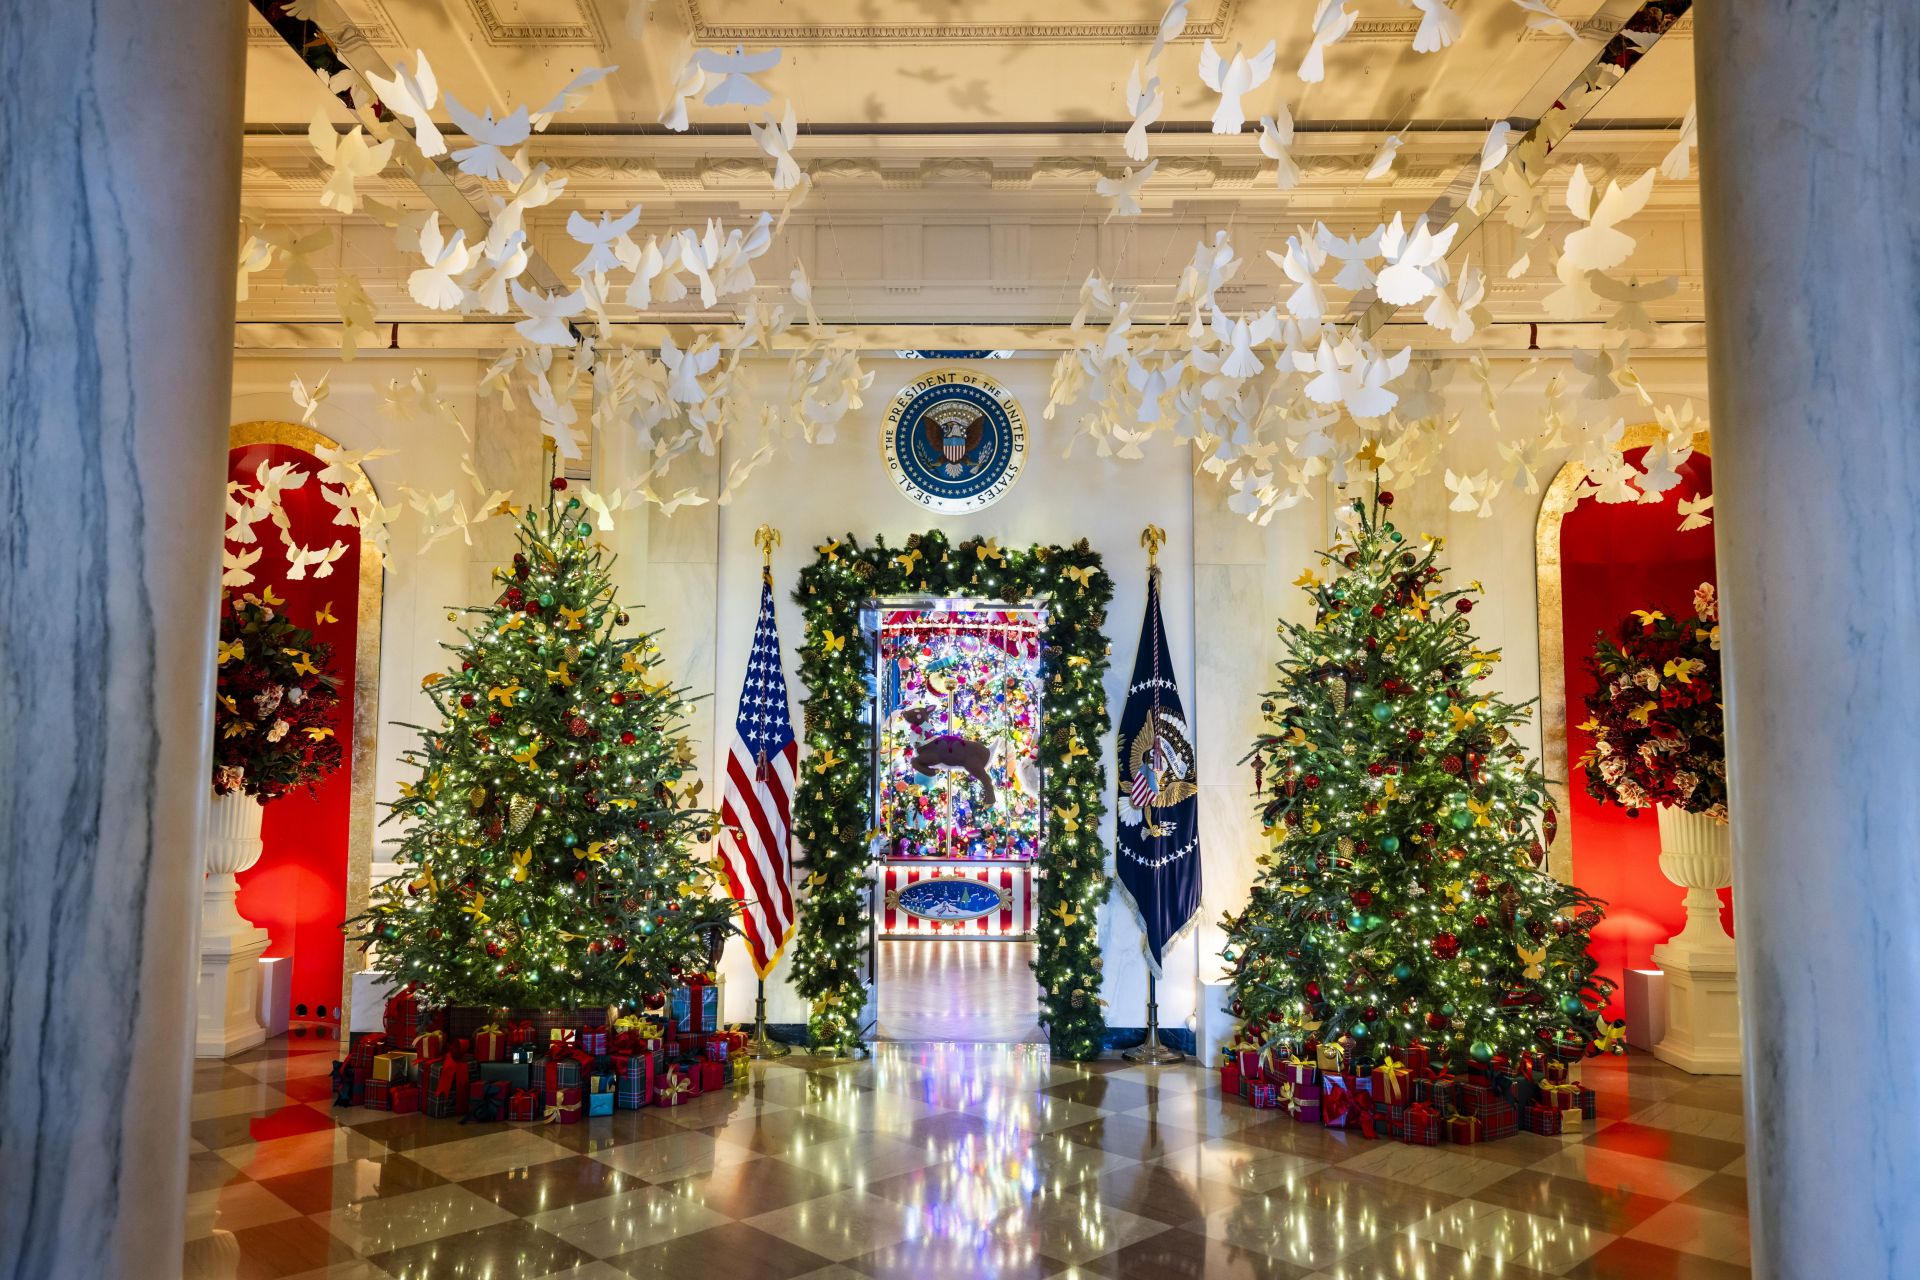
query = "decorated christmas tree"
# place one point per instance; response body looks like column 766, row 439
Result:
column 552, row 844
column 1404, row 896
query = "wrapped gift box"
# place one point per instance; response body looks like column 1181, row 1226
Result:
column 1416, row 1124
column 1417, row 1059
column 1230, row 1079
column 595, row 1041
column 487, row 1101
column 675, row 1087
column 1589, row 1102
column 1500, row 1118
column 379, row 1096
column 403, row 1016
column 564, row 1106
column 517, row 1075
column 1440, row 1091
column 349, row 1086
column 526, row 1105
column 1337, row 1092
column 718, row 1050
column 1466, row 1130
column 1301, row 1101
column 365, row 1047
column 712, row 1075
column 406, row 1097
column 1391, row 1084
column 490, row 1043
column 444, row 1086
column 429, row 1045
column 563, row 1073
column 1330, row 1057
column 1248, row 1060
column 1299, row 1071
column 634, row 1072
column 393, row 1067
column 694, row 1007
column 1265, row 1095
column 600, row 1104
column 1542, row 1119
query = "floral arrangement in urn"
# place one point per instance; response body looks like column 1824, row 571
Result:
column 274, row 702
column 1655, row 712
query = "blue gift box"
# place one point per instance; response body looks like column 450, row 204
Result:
column 681, row 1010
column 600, row 1104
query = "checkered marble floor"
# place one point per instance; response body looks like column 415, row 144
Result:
column 943, row 1160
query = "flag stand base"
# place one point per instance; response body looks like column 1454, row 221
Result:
column 762, row 1045
column 1153, row 1053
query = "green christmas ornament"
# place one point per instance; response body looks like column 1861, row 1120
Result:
column 1383, row 711
column 1356, row 922
column 1390, row 844
column 1461, row 820
column 546, row 599
column 1480, row 1051
column 583, row 530
column 570, row 840
column 1359, row 1031
column 1571, row 1005
column 1402, row 971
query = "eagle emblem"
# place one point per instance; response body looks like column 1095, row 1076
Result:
column 953, row 431
column 1160, row 760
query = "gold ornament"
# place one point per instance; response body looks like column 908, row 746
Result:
column 519, row 813
column 476, row 797
column 1337, row 693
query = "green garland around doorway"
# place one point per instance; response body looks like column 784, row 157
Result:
column 833, row 813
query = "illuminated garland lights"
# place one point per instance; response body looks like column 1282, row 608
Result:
column 833, row 814
column 551, row 842
column 1404, row 897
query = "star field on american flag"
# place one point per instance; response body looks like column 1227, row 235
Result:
column 764, row 723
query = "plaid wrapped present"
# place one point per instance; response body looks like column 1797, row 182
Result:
column 446, row 1082
column 1500, row 1118
column 406, row 1098
column 363, row 1049
column 1299, row 1071
column 564, row 1073
column 634, row 1072
column 694, row 1006
column 526, row 1105
column 429, row 1045
column 379, row 1095
column 1416, row 1124
column 1439, row 1090
column 487, row 1101
column 1265, row 1094
column 718, row 1050
column 516, row 1075
column 1466, row 1130
column 1589, row 1102
column 1542, row 1119
column 1416, row 1058
column 403, row 1015
column 594, row 1040
column 674, row 1088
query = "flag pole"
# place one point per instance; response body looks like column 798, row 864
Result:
column 766, row 537
column 1151, row 1052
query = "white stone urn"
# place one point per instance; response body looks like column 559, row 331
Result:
column 230, row 945
column 1702, row 982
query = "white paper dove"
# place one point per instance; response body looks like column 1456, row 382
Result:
column 687, row 84
column 1172, row 23
column 411, row 95
column 1124, row 191
column 1382, row 163
column 1632, row 298
column 1233, row 78
column 1331, row 20
column 734, row 74
column 1493, row 150
column 319, row 559
column 434, row 285
column 1455, row 314
column 351, row 159
column 235, row 566
column 547, row 315
column 1693, row 512
column 490, row 140
column 309, row 400
column 1472, row 493
column 1276, row 143
column 1440, row 26
column 571, row 95
column 1541, row 17
column 1409, row 276
column 687, row 368
column 1145, row 102
column 1153, row 382
column 1301, row 263
column 489, row 292
column 1600, row 244
column 776, row 138
column 602, row 238
column 1355, row 255
column 1678, row 164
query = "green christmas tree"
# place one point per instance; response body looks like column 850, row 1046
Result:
column 1404, row 896
column 552, row 842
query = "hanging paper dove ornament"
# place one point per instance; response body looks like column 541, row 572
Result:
column 1124, row 191
column 1383, row 159
column 1541, row 17
column 1153, row 382
column 776, row 138
column 309, row 400
column 734, row 73
column 411, row 95
column 1232, row 78
column 1632, row 298
column 1472, row 493
column 235, row 566
column 1409, row 276
column 1144, row 104
column 1694, row 512
column 1493, row 150
column 433, row 285
column 489, row 293
column 319, row 559
column 1301, row 263
column 1172, row 23
column 350, row 158
column 1331, row 20
column 571, row 95
column 1440, row 26
column 602, row 238
column 547, row 315
column 687, row 368
column 1600, row 244
column 1276, row 143
column 1355, row 255
column 687, row 84
column 1240, row 337
column 1678, row 164
column 1455, row 314
column 489, row 141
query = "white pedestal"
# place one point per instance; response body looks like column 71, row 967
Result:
column 368, row 1012
column 230, row 946
column 276, row 982
column 1645, row 992
column 1216, row 1027
column 1703, row 1010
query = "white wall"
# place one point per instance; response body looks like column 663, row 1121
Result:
column 696, row 575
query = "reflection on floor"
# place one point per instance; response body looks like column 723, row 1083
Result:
column 934, row 1161
column 971, row 991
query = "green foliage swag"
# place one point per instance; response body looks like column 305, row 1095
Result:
column 1404, row 897
column 833, row 812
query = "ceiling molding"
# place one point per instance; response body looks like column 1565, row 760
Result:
column 499, row 32
column 708, row 31
column 376, row 26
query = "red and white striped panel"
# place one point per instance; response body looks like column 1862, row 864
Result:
column 1011, row 920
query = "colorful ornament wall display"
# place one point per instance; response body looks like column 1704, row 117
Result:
column 833, row 812
column 274, row 697
column 960, row 722
column 552, row 850
column 1403, row 899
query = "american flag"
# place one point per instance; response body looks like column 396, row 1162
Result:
column 757, row 806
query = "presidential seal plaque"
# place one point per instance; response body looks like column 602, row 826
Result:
column 954, row 440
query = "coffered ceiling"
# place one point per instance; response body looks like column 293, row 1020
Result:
column 974, row 65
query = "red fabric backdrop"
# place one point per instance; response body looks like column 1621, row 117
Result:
column 297, row 892
column 1614, row 559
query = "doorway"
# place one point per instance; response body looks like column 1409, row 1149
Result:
column 958, row 710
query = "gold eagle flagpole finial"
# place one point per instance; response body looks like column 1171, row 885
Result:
column 1153, row 537
column 766, row 537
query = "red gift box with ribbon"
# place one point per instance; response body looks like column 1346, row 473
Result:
column 1230, row 1078
column 1391, row 1084
column 446, row 1080
column 635, row 1072
column 490, row 1043
column 1299, row 1071
column 1418, row 1124
column 1301, row 1101
column 429, row 1045
column 595, row 1041
column 526, row 1105
column 402, row 1017
column 1466, row 1130
column 1248, row 1061
column 565, row 1107
column 522, row 1032
column 1264, row 1094
column 1542, row 1118
column 1346, row 1101
column 1417, row 1059
column 406, row 1097
column 366, row 1046
column 674, row 1088
column 711, row 1075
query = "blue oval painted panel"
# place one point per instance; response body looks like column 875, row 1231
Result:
column 949, row 899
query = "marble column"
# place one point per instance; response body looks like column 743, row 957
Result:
column 120, row 126
column 1810, row 182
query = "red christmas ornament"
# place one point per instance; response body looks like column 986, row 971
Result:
column 1312, row 781
column 594, row 948
column 1313, row 991
column 1371, row 1013
column 1480, row 922
column 618, row 944
column 1416, row 735
column 1386, row 499
column 1445, row 946
column 627, row 739
column 1376, row 769
column 495, row 720
column 581, row 875
column 1450, row 764
column 675, row 971
column 654, row 1000
column 618, row 699
column 579, row 727
column 1438, row 1022
column 1463, row 605
column 559, row 484
column 465, row 665
column 1361, row 898
column 467, row 700
column 532, row 609
column 1378, row 611
column 493, row 949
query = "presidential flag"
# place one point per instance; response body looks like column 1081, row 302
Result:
column 1157, row 847
column 756, row 808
